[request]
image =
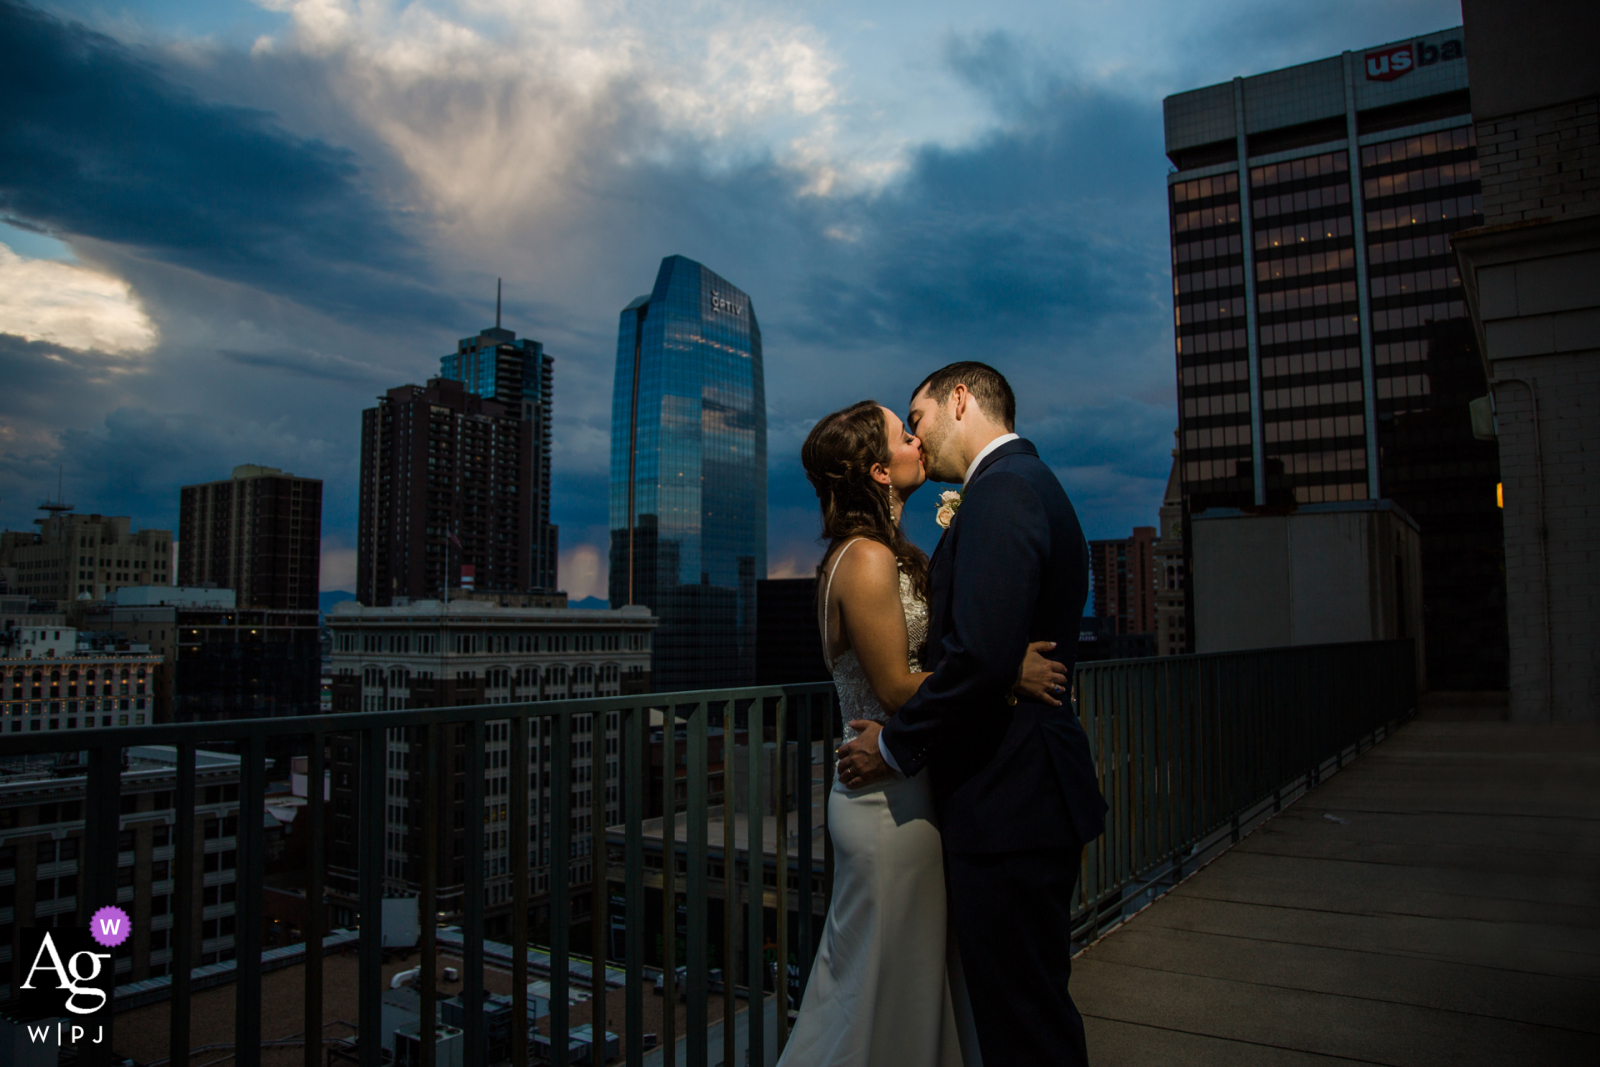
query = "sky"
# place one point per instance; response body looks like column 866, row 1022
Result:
column 227, row 226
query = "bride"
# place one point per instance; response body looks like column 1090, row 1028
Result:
column 884, row 991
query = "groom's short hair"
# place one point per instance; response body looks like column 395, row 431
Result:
column 987, row 386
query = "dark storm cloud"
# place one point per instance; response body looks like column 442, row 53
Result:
column 1051, row 223
column 96, row 141
column 135, row 460
column 1040, row 248
column 314, row 365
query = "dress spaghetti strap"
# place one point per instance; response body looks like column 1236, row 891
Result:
column 828, row 592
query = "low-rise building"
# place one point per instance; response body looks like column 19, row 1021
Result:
column 222, row 663
column 89, row 555
column 431, row 654
column 49, row 681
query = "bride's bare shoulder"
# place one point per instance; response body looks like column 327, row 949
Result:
column 866, row 562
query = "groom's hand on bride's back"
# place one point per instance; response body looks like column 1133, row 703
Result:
column 860, row 763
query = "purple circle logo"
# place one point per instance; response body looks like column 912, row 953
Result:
column 110, row 926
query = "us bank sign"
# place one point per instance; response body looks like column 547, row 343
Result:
column 1402, row 59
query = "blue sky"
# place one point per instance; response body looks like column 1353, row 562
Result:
column 226, row 226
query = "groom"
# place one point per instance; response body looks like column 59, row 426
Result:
column 1014, row 782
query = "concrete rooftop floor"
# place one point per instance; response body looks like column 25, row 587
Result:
column 1436, row 902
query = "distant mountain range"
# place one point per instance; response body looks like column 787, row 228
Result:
column 329, row 597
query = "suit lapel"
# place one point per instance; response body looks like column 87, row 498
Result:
column 940, row 598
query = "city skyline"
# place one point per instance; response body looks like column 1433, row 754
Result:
column 858, row 189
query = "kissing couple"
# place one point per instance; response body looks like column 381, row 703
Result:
column 966, row 790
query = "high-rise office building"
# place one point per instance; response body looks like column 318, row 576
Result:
column 1323, row 346
column 1125, row 581
column 518, row 373
column 689, row 474
column 258, row 533
column 448, row 483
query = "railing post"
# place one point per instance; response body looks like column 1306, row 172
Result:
column 730, row 887
column 806, row 806
column 517, row 726
column 429, row 764
column 247, row 926
column 97, row 862
column 473, row 1036
column 635, row 739
column 560, row 887
column 695, row 1050
column 756, row 933
column 183, row 910
column 315, row 914
column 780, row 795
column 369, row 965
column 669, row 891
column 599, row 856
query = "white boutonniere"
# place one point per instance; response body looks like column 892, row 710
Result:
column 949, row 501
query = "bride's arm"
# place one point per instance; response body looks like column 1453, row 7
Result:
column 867, row 585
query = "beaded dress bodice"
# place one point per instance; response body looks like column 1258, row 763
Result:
column 856, row 698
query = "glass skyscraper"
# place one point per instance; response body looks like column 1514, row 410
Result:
column 1323, row 346
column 689, row 475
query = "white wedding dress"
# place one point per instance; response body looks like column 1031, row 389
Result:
column 885, row 990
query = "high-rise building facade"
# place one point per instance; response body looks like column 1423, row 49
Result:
column 84, row 555
column 1323, row 346
column 689, row 474
column 449, row 481
column 258, row 533
column 1125, row 581
column 518, row 373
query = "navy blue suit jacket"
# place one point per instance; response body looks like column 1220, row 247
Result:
column 1012, row 568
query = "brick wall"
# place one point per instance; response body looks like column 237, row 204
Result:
column 1541, row 164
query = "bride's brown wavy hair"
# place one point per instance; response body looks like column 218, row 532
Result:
column 838, row 456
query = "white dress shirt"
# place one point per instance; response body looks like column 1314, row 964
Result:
column 965, row 478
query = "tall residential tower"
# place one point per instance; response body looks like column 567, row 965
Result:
column 519, row 374
column 689, row 474
column 259, row 533
column 1323, row 345
column 455, row 478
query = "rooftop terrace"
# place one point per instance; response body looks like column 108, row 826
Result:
column 1435, row 902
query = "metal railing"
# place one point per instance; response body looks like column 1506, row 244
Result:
column 1184, row 745
column 1191, row 749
